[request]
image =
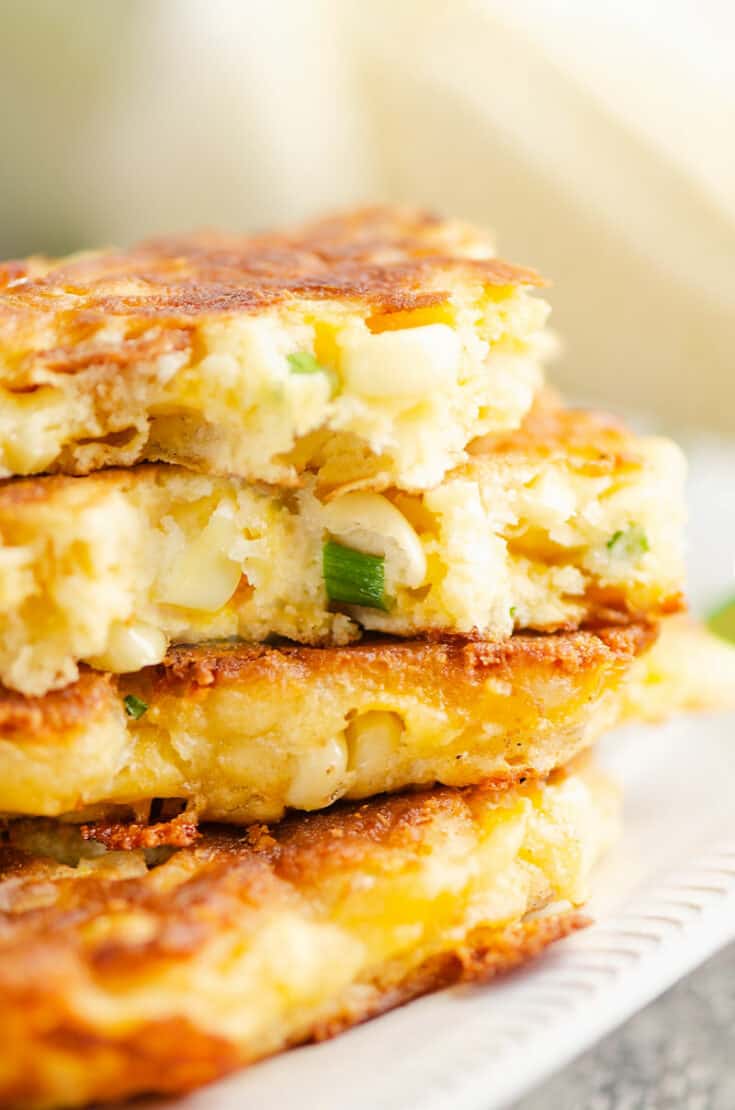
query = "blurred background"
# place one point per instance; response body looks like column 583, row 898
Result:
column 596, row 139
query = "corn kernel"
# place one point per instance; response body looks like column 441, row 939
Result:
column 130, row 647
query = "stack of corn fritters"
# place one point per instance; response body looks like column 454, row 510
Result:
column 288, row 523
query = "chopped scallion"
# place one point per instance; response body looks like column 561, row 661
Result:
column 629, row 543
column 134, row 707
column 722, row 620
column 304, row 362
column 354, row 578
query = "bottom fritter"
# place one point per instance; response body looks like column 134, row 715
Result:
column 127, row 974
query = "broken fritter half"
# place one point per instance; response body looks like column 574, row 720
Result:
column 373, row 344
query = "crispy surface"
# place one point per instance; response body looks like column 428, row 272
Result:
column 386, row 259
column 218, row 731
column 570, row 521
column 117, row 979
column 186, row 669
column 552, row 431
column 164, row 351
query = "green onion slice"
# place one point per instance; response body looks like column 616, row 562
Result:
column 303, row 362
column 354, row 578
column 629, row 543
column 134, row 707
column 722, row 620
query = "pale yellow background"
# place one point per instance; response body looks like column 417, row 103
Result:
column 596, row 138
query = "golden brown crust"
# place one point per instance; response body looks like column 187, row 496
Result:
column 484, row 954
column 384, row 259
column 168, row 1056
column 173, row 1056
column 550, row 430
column 225, row 868
column 450, row 660
column 302, row 848
column 611, row 605
column 77, row 946
column 79, row 703
column 45, row 487
column 187, row 668
column 117, row 836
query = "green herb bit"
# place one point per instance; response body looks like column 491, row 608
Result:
column 629, row 543
column 134, row 707
column 354, row 578
column 722, row 620
column 303, row 362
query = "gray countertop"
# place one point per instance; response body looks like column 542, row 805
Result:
column 677, row 1054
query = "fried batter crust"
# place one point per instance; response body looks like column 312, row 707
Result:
column 375, row 716
column 389, row 259
column 116, row 979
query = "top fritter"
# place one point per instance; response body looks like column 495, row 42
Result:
column 372, row 345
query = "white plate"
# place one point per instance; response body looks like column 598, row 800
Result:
column 664, row 901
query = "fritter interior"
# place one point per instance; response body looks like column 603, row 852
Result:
column 569, row 521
